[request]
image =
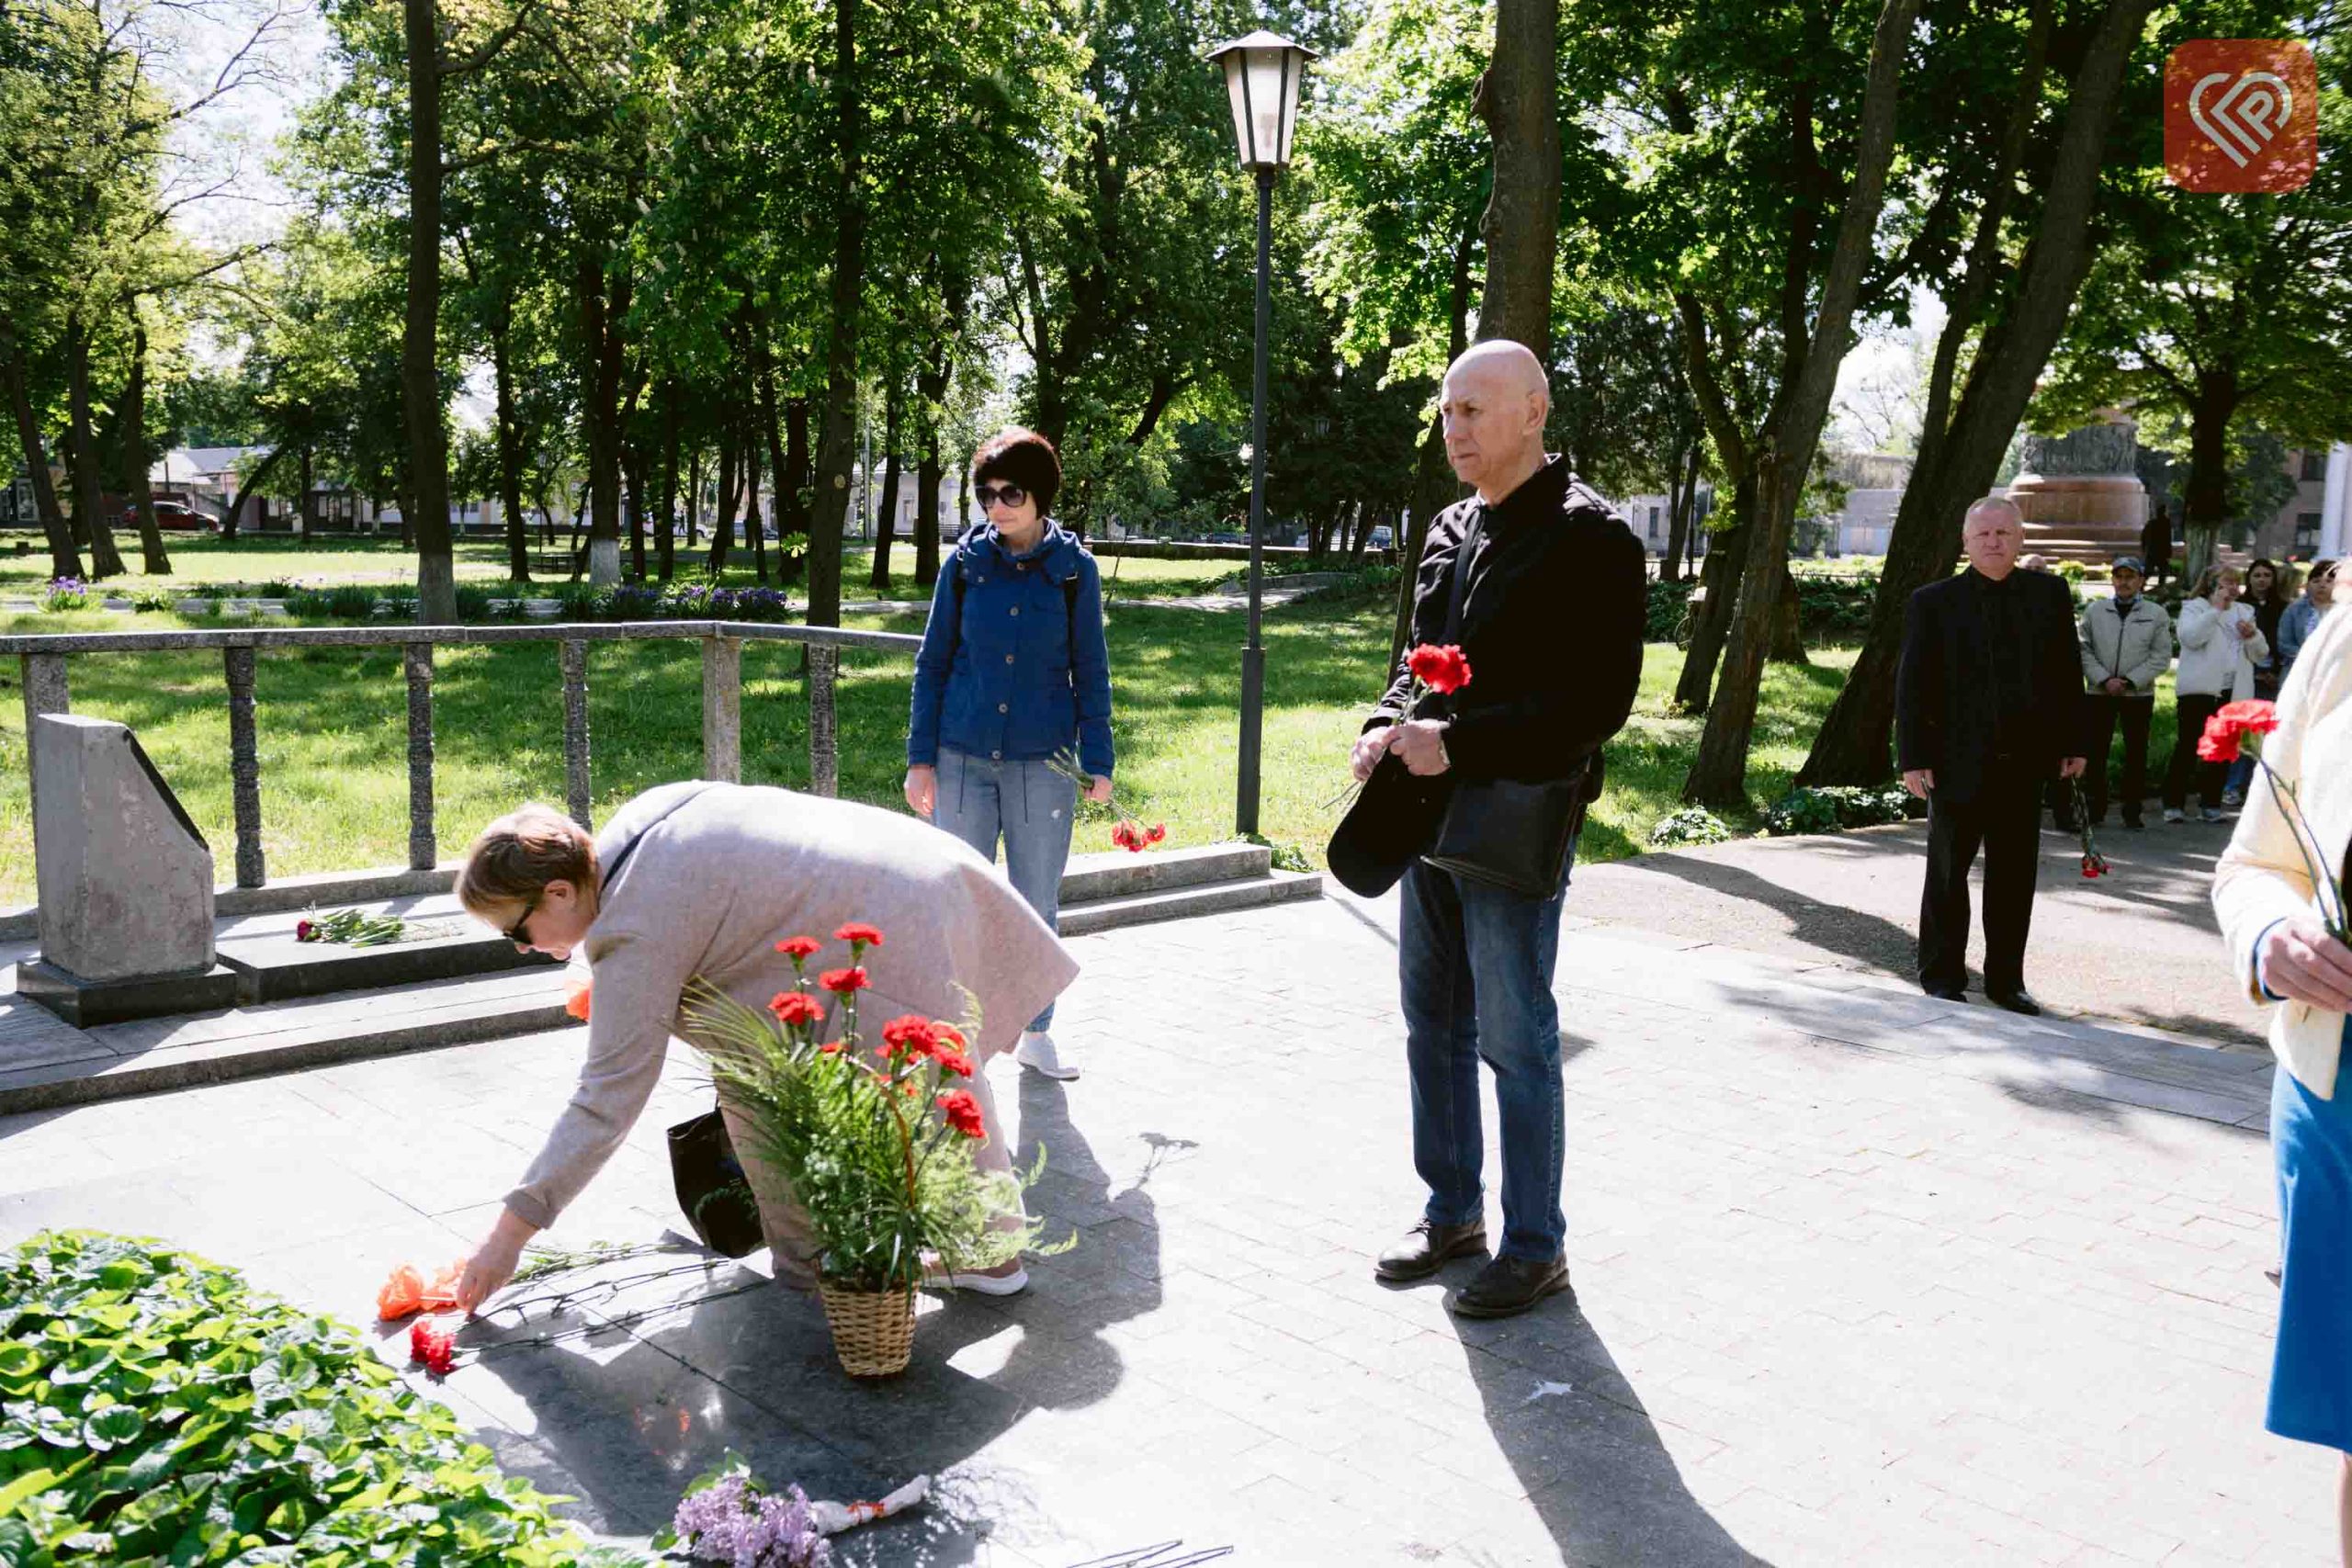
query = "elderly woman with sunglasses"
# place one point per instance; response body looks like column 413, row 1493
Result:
column 1014, row 673
column 696, row 884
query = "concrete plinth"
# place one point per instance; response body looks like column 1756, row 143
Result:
column 125, row 880
column 2080, row 496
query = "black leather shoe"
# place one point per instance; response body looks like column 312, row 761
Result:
column 1508, row 1286
column 2019, row 1001
column 1945, row 993
column 1430, row 1248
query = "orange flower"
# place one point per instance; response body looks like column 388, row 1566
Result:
column 402, row 1293
column 442, row 1294
column 576, row 1002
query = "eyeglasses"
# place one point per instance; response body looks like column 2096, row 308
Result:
column 1010, row 495
column 515, row 933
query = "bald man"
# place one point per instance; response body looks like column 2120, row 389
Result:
column 1544, row 591
column 1989, row 707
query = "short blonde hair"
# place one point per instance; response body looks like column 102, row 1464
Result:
column 519, row 854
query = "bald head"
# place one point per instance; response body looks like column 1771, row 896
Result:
column 1992, row 536
column 1496, row 401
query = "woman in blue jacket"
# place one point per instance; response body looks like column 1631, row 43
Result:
column 1013, row 669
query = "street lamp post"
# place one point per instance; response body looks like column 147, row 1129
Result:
column 1262, row 74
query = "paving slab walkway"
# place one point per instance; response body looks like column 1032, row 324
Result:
column 2140, row 945
column 1864, row 1280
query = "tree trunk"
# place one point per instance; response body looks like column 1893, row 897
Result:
column 1960, row 454
column 1434, row 490
column 600, row 333
column 792, row 485
column 88, row 495
column 754, row 524
column 1719, row 581
column 1518, row 99
column 428, row 449
column 1788, row 624
column 1810, row 353
column 64, row 559
column 510, row 459
column 633, row 460
column 303, row 481
column 931, row 384
column 1682, row 506
column 835, row 446
column 885, row 523
column 722, row 527
column 665, row 528
column 155, row 561
column 2205, row 497
column 693, row 497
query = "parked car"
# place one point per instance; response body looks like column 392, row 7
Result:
column 175, row 514
column 1382, row 539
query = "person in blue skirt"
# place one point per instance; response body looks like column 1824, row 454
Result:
column 1014, row 671
column 2276, row 916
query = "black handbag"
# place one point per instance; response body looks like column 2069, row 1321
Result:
column 1507, row 833
column 711, row 1187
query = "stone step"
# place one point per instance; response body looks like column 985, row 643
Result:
column 278, row 968
column 1183, row 903
column 1122, row 874
column 118, row 1060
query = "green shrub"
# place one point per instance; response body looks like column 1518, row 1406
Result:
column 155, row 599
column 162, row 1411
column 67, row 593
column 1691, row 825
column 351, row 601
column 1835, row 807
column 276, row 588
column 307, row 601
column 473, row 602
column 1667, row 602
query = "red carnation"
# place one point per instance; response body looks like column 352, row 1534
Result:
column 864, row 935
column 2230, row 724
column 579, row 999
column 963, row 1112
column 1157, row 831
column 796, row 1008
column 952, row 1061
column 912, row 1032
column 798, row 947
column 1441, row 668
column 829, row 1048
column 305, row 931
column 1125, row 836
column 951, row 1037
column 436, row 1347
column 843, row 981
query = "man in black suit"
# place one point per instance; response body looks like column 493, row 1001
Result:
column 1988, row 707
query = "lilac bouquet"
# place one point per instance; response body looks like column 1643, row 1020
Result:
column 725, row 1517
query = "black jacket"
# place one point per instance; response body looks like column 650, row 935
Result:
column 1552, row 621
column 1945, row 708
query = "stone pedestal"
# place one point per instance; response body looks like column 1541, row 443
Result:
column 2080, row 496
column 125, row 881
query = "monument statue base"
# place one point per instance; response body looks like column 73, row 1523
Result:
column 2090, row 518
column 86, row 1004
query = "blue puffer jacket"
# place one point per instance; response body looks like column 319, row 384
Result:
column 1004, row 673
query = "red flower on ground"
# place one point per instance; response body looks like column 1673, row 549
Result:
column 1439, row 668
column 305, row 931
column 843, row 982
column 798, row 946
column 402, row 1293
column 1157, row 831
column 963, row 1112
column 796, row 1008
column 577, row 1001
column 436, row 1347
column 859, row 933
column 911, row 1032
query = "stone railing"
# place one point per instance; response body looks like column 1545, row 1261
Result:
column 43, row 661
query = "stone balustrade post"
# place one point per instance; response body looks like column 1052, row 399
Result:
column 245, row 765
column 575, row 730
column 824, row 736
column 722, row 710
column 45, row 691
column 424, row 852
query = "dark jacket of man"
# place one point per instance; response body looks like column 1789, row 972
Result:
column 1553, row 614
column 1989, row 669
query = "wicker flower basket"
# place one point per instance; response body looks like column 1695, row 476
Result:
column 874, row 1331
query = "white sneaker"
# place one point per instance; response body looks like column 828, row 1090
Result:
column 2173, row 814
column 937, row 1278
column 2209, row 814
column 1036, row 1050
column 2233, row 799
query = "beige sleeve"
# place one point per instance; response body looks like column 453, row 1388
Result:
column 633, row 1006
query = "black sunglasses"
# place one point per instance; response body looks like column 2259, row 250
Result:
column 515, row 933
column 1011, row 495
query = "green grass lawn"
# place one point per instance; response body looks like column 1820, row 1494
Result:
column 253, row 560
column 334, row 772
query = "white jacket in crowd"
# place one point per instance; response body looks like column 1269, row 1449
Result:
column 2215, row 660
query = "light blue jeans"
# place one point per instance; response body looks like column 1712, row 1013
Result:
column 1031, row 808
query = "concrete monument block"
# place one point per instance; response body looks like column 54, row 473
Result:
column 125, row 880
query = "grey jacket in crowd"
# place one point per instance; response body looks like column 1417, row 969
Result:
column 2138, row 647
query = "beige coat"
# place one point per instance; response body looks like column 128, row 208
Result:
column 2262, row 877
column 710, row 877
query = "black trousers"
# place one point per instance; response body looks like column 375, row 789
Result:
column 2004, row 821
column 2212, row 778
column 2132, row 714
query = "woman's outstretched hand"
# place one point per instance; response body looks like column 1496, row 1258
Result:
column 493, row 1262
column 2302, row 962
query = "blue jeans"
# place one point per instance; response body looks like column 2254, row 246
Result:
column 1032, row 807
column 1476, row 966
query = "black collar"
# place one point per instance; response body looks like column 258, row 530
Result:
column 1539, row 496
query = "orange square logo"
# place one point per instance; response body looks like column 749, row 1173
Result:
column 2241, row 115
